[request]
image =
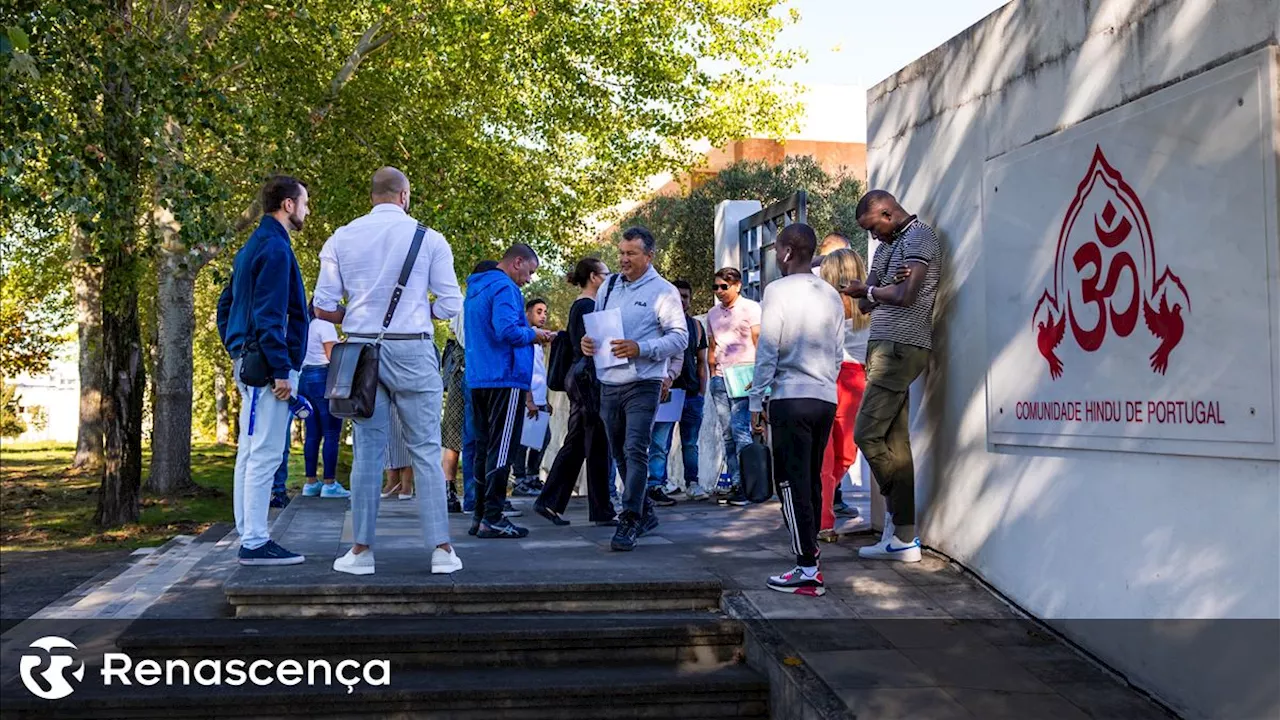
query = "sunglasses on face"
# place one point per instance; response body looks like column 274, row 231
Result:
column 720, row 286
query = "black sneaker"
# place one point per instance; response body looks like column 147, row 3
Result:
column 796, row 582
column 660, row 498
column 648, row 523
column 624, row 539
column 510, row 510
column 269, row 554
column 840, row 509
column 454, row 505
column 737, row 498
column 475, row 527
column 279, row 500
column 501, row 529
column 549, row 514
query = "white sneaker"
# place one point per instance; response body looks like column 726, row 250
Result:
column 892, row 549
column 353, row 564
column 444, row 561
column 695, row 492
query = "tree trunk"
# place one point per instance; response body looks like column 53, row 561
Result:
column 221, row 406
column 87, row 280
column 119, row 497
column 174, row 364
column 120, row 493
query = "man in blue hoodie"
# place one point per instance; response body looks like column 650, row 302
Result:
column 499, row 368
column 264, row 310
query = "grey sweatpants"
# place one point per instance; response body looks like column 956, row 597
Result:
column 409, row 376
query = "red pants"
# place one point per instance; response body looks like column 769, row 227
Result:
column 841, row 450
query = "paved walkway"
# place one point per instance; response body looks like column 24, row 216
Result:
column 889, row 640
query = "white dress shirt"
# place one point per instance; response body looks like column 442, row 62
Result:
column 362, row 262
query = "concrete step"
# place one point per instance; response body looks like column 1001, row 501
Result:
column 529, row 641
column 618, row 693
column 316, row 592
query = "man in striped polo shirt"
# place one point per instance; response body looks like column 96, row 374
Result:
column 899, row 293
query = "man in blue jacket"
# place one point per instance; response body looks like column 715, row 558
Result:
column 264, row 309
column 499, row 368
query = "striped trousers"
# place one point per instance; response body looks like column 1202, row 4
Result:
column 497, row 414
column 800, row 429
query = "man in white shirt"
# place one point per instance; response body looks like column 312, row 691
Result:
column 362, row 262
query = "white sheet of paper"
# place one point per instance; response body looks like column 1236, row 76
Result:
column 672, row 409
column 603, row 327
column 534, row 430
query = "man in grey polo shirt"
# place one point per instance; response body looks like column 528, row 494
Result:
column 362, row 262
column 655, row 336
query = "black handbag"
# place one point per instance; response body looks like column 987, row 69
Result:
column 254, row 371
column 755, row 462
column 351, row 386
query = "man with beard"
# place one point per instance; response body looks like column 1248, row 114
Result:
column 262, row 319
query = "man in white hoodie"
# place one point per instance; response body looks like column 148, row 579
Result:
column 797, row 361
column 655, row 336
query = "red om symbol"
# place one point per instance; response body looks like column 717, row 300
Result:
column 1094, row 291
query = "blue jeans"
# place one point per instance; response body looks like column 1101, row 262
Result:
column 628, row 411
column 660, row 445
column 321, row 426
column 468, row 454
column 734, row 415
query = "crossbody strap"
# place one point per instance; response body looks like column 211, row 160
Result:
column 405, row 270
column 613, row 280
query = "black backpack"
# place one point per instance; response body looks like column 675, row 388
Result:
column 560, row 360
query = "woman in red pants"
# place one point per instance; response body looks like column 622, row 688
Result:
column 839, row 269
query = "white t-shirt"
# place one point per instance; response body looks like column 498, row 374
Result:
column 538, row 386
column 319, row 333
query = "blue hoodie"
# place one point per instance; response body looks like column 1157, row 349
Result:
column 499, row 339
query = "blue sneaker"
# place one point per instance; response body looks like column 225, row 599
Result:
column 724, row 485
column 269, row 554
column 334, row 490
column 648, row 523
column 311, row 489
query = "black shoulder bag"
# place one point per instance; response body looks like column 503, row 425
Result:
column 352, row 384
column 581, row 383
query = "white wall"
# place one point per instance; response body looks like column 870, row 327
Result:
column 1071, row 533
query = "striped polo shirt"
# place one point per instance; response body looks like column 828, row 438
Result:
column 911, row 325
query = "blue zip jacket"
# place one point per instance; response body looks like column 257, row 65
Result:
column 266, row 297
column 499, row 340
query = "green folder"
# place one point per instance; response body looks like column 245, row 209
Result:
column 737, row 380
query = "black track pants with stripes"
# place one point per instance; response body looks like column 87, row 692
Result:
column 497, row 414
column 800, row 431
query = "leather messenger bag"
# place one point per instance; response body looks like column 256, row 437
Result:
column 352, row 384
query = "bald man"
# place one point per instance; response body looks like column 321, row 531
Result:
column 362, row 264
column 899, row 293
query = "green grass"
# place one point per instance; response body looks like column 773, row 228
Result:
column 44, row 505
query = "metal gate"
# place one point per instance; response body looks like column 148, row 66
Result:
column 756, row 237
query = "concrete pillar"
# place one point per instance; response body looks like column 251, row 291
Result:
column 728, row 214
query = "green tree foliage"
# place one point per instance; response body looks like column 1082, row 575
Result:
column 684, row 225
column 11, row 422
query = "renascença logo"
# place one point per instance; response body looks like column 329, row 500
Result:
column 55, row 676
